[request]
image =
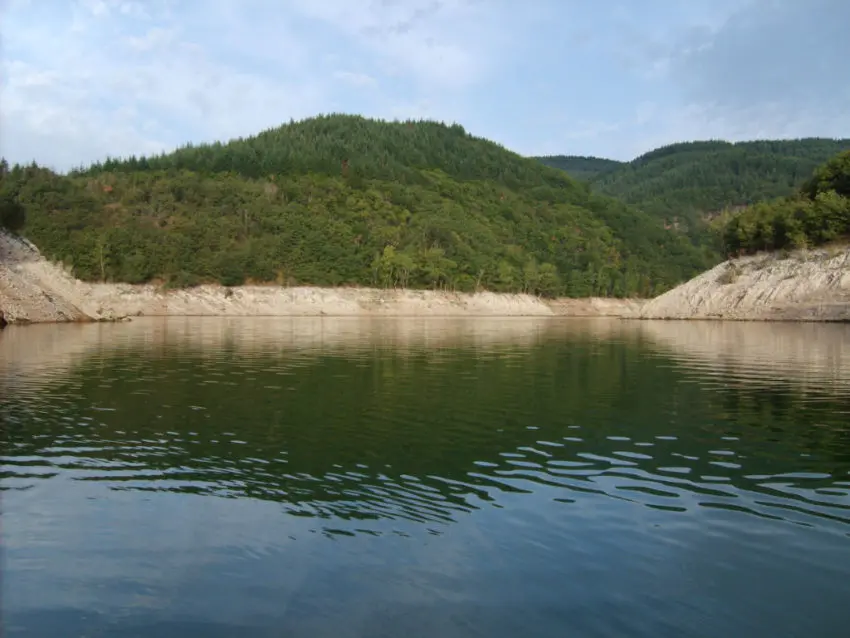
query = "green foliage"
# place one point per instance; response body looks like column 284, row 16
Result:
column 580, row 167
column 12, row 213
column 341, row 200
column 357, row 148
column 686, row 185
column 729, row 275
column 818, row 214
column 834, row 175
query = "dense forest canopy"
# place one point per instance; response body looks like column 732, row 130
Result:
column 360, row 148
column 689, row 183
column 817, row 214
column 579, row 166
column 345, row 200
column 12, row 213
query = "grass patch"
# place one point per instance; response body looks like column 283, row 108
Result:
column 729, row 275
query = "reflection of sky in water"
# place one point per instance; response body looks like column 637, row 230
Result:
column 564, row 477
column 238, row 563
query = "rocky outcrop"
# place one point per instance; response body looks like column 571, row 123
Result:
column 805, row 286
column 811, row 285
column 596, row 307
column 34, row 290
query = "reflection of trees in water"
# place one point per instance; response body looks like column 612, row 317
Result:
column 785, row 383
column 811, row 356
column 422, row 433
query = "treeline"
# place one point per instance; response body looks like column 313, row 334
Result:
column 341, row 200
column 358, row 148
column 580, row 166
column 12, row 213
column 685, row 185
column 184, row 228
column 817, row 214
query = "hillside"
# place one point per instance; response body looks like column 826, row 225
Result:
column 686, row 184
column 12, row 214
column 34, row 290
column 802, row 271
column 580, row 167
column 347, row 201
column 811, row 285
column 818, row 214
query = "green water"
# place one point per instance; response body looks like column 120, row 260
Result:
column 342, row 477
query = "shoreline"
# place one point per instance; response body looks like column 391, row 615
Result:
column 92, row 303
column 35, row 290
column 802, row 286
column 806, row 286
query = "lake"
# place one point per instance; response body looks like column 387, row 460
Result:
column 425, row 477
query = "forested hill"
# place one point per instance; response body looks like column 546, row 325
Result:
column 685, row 183
column 580, row 167
column 818, row 213
column 359, row 148
column 344, row 200
column 12, row 214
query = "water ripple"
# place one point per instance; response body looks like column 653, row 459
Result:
column 538, row 447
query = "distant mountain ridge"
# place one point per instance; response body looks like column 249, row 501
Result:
column 684, row 184
column 580, row 167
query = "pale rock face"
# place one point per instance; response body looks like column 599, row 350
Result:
column 34, row 290
column 811, row 285
column 805, row 286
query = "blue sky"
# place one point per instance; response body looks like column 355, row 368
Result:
column 85, row 78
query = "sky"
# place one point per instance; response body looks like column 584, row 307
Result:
column 86, row 79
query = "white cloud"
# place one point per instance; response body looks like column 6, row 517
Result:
column 97, row 8
column 155, row 37
column 85, row 78
column 355, row 79
column 772, row 66
column 442, row 43
column 103, row 8
column 131, row 77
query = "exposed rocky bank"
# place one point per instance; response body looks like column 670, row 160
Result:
column 809, row 285
column 32, row 289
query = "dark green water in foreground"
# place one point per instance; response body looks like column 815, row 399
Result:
column 275, row 477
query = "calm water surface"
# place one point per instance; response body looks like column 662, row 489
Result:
column 342, row 477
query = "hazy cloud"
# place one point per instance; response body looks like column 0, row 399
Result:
column 85, row 78
column 355, row 79
column 774, row 61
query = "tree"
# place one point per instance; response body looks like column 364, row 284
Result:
column 432, row 207
column 549, row 283
column 817, row 214
column 12, row 213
